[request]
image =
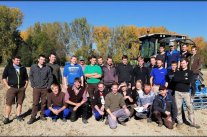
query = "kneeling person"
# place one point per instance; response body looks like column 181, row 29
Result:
column 77, row 100
column 164, row 108
column 116, row 107
column 56, row 104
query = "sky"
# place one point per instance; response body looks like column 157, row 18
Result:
column 187, row 18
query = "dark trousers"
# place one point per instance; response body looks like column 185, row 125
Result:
column 193, row 86
column 162, row 118
column 39, row 94
column 82, row 110
column 92, row 88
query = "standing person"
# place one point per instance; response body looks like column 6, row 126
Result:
column 56, row 106
column 124, row 71
column 140, row 73
column 184, row 52
column 152, row 64
column 170, row 84
column 93, row 73
column 55, row 68
column 99, row 102
column 41, row 79
column 164, row 108
column 71, row 71
column 82, row 62
column 162, row 54
column 116, row 107
column 145, row 101
column 109, row 74
column 77, row 101
column 158, row 76
column 195, row 65
column 100, row 61
column 15, row 79
column 172, row 55
column 183, row 79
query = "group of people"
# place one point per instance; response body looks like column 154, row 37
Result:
column 108, row 92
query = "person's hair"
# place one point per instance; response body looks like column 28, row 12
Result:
column 92, row 56
column 194, row 47
column 74, row 56
column 184, row 45
column 159, row 59
column 138, row 81
column 184, row 59
column 162, row 46
column 109, row 57
column 101, row 83
column 153, row 57
column 41, row 55
column 174, row 62
column 77, row 80
column 52, row 53
column 100, row 57
column 162, row 88
column 146, row 84
column 16, row 57
column 53, row 86
column 124, row 57
column 140, row 58
column 115, row 84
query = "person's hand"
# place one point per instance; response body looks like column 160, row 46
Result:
column 126, row 97
column 78, row 104
column 75, row 108
column 133, row 87
column 146, row 106
column 113, row 117
column 55, row 112
column 101, row 112
column 167, row 113
column 8, row 87
column 169, row 119
column 102, row 108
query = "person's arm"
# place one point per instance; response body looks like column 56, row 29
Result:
column 174, row 109
column 151, row 81
column 4, row 77
column 97, row 108
column 60, row 75
column 50, row 77
column 31, row 76
column 26, row 78
column 67, row 99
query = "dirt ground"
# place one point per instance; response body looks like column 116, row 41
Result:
column 93, row 128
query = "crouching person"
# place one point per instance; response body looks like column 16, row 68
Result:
column 56, row 104
column 164, row 108
column 99, row 101
column 144, row 103
column 76, row 99
column 116, row 108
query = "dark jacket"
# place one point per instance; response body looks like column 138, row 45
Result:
column 109, row 75
column 128, row 93
column 124, row 73
column 56, row 72
column 97, row 98
column 185, row 55
column 40, row 77
column 135, row 96
column 12, row 75
column 195, row 63
column 170, row 80
column 140, row 73
column 165, row 105
column 76, row 98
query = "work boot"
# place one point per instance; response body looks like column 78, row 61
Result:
column 107, row 121
column 43, row 118
column 19, row 118
column 6, row 121
column 31, row 121
column 54, row 120
column 160, row 123
column 84, row 121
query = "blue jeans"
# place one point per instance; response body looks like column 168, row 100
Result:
column 97, row 115
column 64, row 114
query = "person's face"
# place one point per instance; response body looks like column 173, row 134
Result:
column 82, row 62
column 147, row 89
column 100, row 61
column 52, row 58
column 163, row 92
column 114, row 88
column 183, row 64
column 124, row 88
column 93, row 61
column 162, row 49
column 41, row 60
column 152, row 61
column 109, row 61
column 55, row 90
column 77, row 84
column 141, row 62
column 193, row 51
column 138, row 85
column 172, row 48
column 184, row 48
column 101, row 87
column 124, row 61
column 159, row 63
column 174, row 66
column 16, row 61
column 73, row 60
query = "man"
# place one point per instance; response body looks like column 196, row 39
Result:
column 158, row 76
column 15, row 79
column 116, row 107
column 56, row 104
column 71, row 71
column 100, row 61
column 195, row 65
column 124, row 71
column 140, row 72
column 82, row 62
column 184, row 52
column 109, row 74
column 93, row 73
column 77, row 101
column 162, row 54
column 145, row 101
column 183, row 79
column 172, row 55
column 99, row 102
column 164, row 108
column 55, row 68
column 152, row 64
column 41, row 79
column 170, row 84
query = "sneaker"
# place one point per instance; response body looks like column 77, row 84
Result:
column 195, row 125
column 19, row 118
column 6, row 121
column 84, row 121
column 54, row 120
column 31, row 121
column 107, row 122
column 43, row 118
column 122, row 123
column 160, row 124
column 64, row 120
